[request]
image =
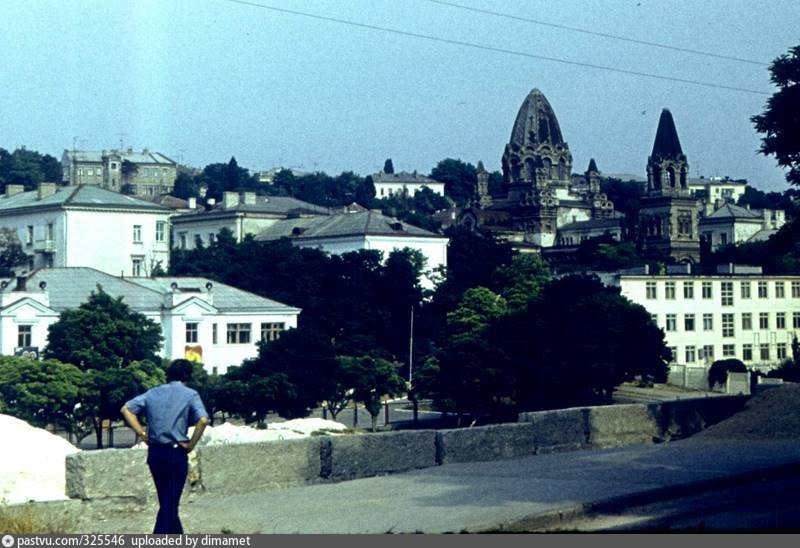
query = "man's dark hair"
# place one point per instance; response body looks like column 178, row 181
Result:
column 180, row 370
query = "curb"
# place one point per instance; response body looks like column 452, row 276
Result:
column 559, row 519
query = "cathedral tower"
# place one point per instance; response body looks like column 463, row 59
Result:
column 668, row 224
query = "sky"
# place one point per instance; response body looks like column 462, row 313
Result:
column 204, row 80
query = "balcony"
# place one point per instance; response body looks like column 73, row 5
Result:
column 44, row 246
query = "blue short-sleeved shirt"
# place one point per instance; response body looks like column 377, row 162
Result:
column 170, row 410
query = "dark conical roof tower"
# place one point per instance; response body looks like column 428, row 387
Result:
column 536, row 122
column 592, row 165
column 667, row 145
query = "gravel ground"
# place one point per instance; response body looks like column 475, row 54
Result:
column 773, row 414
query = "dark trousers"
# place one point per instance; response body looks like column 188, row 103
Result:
column 169, row 466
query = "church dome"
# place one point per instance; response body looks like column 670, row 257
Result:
column 536, row 123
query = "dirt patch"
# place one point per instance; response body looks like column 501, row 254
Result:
column 773, row 414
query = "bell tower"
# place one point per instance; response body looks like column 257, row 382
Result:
column 668, row 224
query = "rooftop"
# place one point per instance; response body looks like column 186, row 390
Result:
column 360, row 223
column 97, row 156
column 81, row 195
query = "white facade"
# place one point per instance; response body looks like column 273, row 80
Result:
column 91, row 227
column 200, row 320
column 433, row 249
column 404, row 184
column 750, row 317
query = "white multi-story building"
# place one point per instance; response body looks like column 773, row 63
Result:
column 66, row 226
column 739, row 314
column 200, row 319
column 732, row 224
column 241, row 213
column 363, row 229
column 404, row 184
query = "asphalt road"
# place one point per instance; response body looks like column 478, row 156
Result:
column 758, row 505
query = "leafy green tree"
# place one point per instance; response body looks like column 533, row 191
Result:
column 28, row 168
column 11, row 253
column 116, row 347
column 459, row 178
column 371, row 379
column 388, row 166
column 521, row 281
column 718, row 372
column 42, row 392
column 365, row 192
column 780, row 121
column 290, row 376
column 478, row 309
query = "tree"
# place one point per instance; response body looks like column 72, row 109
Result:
column 388, row 167
column 42, row 392
column 116, row 347
column 521, row 281
column 718, row 372
column 371, row 379
column 780, row 121
column 128, row 170
column 11, row 253
column 459, row 178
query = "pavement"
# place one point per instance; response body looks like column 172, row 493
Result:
column 542, row 492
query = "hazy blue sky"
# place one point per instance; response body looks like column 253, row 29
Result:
column 204, row 80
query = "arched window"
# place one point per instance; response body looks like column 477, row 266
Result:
column 671, row 175
column 562, row 169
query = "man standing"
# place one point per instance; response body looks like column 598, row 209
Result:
column 169, row 409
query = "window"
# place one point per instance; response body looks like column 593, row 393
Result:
column 762, row 290
column 796, row 290
column 211, row 237
column 764, row 352
column 182, row 240
column 191, row 332
column 763, row 320
column 690, row 354
column 239, row 333
column 29, row 235
column 747, row 321
column 723, row 238
column 747, row 352
column 688, row 322
column 707, row 293
column 780, row 320
column 728, row 350
column 24, row 335
column 708, row 322
column 780, row 349
column 271, row 331
column 688, row 290
column 745, row 290
column 161, row 231
column 137, row 264
column 651, row 290
column 137, row 234
column 795, row 320
column 669, row 290
column 780, row 290
column 50, row 232
column 727, row 293
column 727, row 325
column 672, row 322
column 213, row 333
column 707, row 352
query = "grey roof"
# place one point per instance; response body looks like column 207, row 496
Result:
column 70, row 287
column 404, row 177
column 763, row 235
column 267, row 205
column 730, row 211
column 144, row 157
column 81, row 195
column 536, row 123
column 592, row 223
column 360, row 223
column 666, row 144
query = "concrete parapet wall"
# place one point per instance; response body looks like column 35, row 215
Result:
column 374, row 454
column 115, row 476
column 618, row 425
column 494, row 442
column 109, row 473
column 247, row 467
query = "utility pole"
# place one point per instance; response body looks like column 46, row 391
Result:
column 411, row 348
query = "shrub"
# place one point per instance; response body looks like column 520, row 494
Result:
column 718, row 372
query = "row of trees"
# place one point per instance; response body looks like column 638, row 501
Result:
column 28, row 168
